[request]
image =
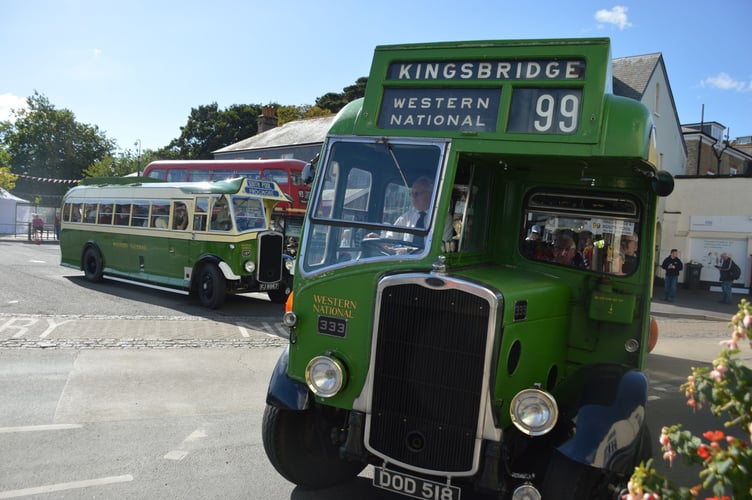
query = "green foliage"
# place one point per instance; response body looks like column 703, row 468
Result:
column 726, row 460
column 49, row 143
column 334, row 102
column 287, row 114
column 209, row 128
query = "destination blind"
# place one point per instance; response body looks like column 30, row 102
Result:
column 547, row 110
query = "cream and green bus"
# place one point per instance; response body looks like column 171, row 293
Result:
column 207, row 239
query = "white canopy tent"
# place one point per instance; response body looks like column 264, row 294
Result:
column 15, row 213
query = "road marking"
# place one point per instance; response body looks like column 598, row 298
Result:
column 243, row 331
column 180, row 453
column 40, row 490
column 34, row 428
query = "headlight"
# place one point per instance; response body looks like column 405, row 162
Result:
column 249, row 266
column 534, row 412
column 325, row 376
column 289, row 265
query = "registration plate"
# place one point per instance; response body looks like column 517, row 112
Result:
column 412, row 486
column 268, row 286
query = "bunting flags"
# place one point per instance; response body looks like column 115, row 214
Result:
column 45, row 179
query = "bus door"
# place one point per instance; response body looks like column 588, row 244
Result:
column 179, row 247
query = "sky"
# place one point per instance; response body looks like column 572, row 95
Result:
column 136, row 68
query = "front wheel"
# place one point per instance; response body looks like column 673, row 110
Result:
column 298, row 444
column 279, row 296
column 93, row 265
column 211, row 287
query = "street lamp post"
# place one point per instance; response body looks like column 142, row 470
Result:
column 138, row 165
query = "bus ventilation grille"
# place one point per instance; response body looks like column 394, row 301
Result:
column 428, row 376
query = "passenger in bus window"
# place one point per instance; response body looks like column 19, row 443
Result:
column 628, row 254
column 180, row 219
column 565, row 251
column 585, row 247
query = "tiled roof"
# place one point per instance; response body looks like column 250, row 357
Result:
column 300, row 132
column 632, row 74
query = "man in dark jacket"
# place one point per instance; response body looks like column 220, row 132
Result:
column 672, row 265
column 726, row 279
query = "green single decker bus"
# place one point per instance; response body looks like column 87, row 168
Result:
column 471, row 309
column 208, row 239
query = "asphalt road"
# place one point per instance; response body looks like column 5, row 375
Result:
column 115, row 391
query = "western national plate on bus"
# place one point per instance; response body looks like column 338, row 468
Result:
column 413, row 486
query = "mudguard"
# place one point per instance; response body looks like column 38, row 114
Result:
column 608, row 436
column 284, row 392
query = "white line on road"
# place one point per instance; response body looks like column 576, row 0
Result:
column 35, row 428
column 39, row 490
column 180, row 454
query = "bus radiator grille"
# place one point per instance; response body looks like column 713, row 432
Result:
column 270, row 257
column 428, row 376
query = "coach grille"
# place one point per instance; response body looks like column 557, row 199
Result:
column 270, row 257
column 428, row 376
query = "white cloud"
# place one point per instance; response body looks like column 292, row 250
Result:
column 616, row 16
column 724, row 81
column 8, row 103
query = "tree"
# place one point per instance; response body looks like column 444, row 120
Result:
column 208, row 128
column 334, row 102
column 287, row 114
column 47, row 143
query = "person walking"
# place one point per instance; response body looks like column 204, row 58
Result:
column 726, row 279
column 672, row 265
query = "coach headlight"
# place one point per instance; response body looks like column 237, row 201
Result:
column 325, row 376
column 289, row 265
column 534, row 412
column 249, row 266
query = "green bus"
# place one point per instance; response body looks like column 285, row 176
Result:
column 207, row 239
column 472, row 298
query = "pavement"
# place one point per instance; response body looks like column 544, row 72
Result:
column 698, row 303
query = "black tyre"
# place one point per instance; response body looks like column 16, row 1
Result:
column 298, row 444
column 93, row 265
column 280, row 295
column 566, row 479
column 212, row 287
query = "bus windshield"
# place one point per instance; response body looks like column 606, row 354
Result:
column 376, row 200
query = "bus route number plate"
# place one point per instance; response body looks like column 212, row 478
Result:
column 412, row 486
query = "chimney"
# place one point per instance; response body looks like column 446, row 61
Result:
column 267, row 120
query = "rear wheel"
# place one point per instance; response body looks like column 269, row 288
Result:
column 211, row 287
column 93, row 265
column 299, row 446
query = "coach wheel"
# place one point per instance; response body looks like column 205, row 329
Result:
column 299, row 445
column 92, row 264
column 211, row 287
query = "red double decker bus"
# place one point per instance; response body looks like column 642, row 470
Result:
column 285, row 172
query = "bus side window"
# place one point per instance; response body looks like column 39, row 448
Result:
column 179, row 216
column 160, row 214
column 220, row 219
column 140, row 213
column 105, row 213
column 199, row 218
column 122, row 214
column 90, row 213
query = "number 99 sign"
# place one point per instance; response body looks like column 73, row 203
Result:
column 545, row 111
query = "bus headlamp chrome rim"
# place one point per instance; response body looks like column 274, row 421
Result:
column 289, row 264
column 249, row 266
column 289, row 318
column 325, row 376
column 534, row 412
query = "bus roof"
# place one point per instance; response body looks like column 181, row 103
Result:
column 553, row 97
column 150, row 189
column 292, row 163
